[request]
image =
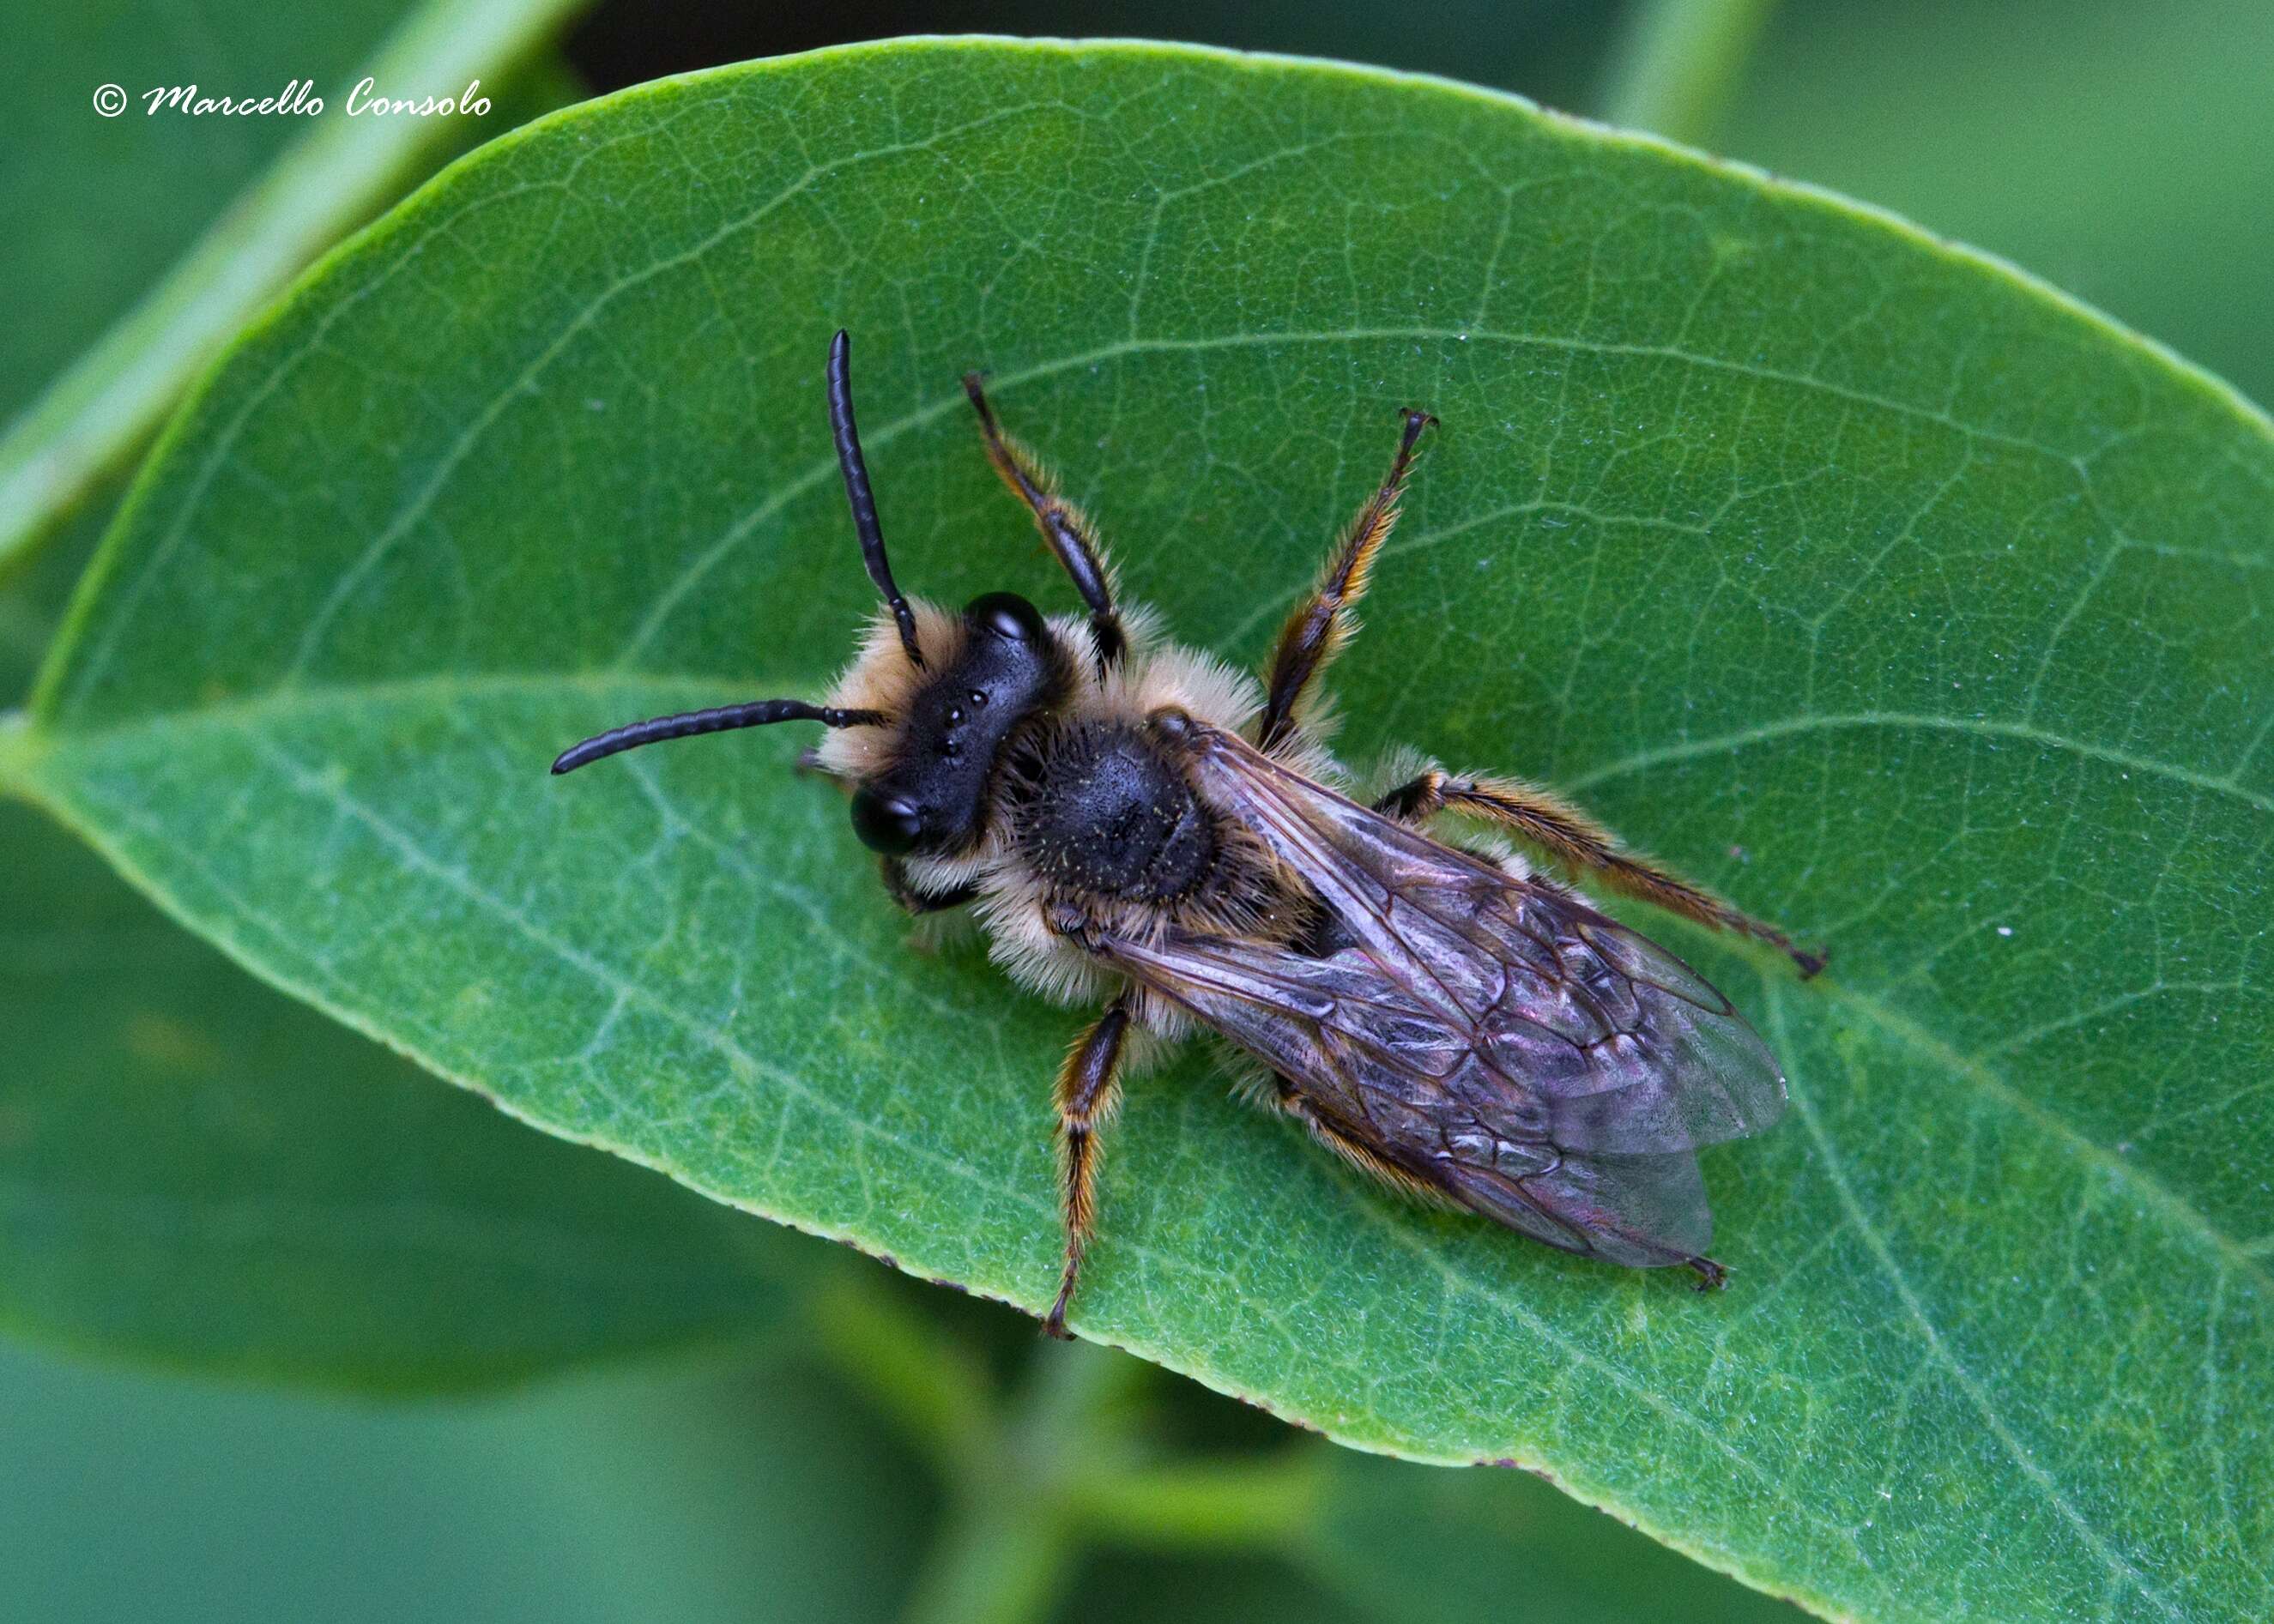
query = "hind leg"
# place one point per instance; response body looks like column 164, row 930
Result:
column 1584, row 847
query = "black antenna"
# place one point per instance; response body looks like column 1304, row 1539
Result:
column 758, row 713
column 863, row 500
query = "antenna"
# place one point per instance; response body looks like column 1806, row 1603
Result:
column 863, row 499
column 757, row 713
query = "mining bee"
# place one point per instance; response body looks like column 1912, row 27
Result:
column 1137, row 824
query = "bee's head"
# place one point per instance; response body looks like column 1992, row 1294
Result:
column 934, row 697
column 929, row 797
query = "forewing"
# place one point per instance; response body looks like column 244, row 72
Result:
column 1630, row 1050
column 1496, row 1038
column 1390, row 1074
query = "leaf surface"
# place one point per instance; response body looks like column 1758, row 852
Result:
column 1910, row 604
column 199, row 1172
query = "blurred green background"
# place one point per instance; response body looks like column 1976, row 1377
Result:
column 2125, row 153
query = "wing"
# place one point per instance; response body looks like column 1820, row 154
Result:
column 1496, row 1039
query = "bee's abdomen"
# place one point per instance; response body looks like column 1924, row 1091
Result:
column 1097, row 808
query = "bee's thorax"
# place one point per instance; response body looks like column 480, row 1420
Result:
column 1098, row 808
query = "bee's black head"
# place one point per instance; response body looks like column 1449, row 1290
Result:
column 932, row 800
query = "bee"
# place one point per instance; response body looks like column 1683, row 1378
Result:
column 1138, row 826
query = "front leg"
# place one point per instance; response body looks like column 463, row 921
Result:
column 920, row 902
column 1088, row 1092
column 1065, row 528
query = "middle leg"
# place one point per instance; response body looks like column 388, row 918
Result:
column 1583, row 846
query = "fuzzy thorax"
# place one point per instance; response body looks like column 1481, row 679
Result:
column 1013, row 901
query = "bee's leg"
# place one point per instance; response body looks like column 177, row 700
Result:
column 904, row 892
column 1321, row 624
column 1064, row 526
column 1089, row 1091
column 1359, row 1155
column 1583, row 846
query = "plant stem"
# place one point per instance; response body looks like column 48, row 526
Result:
column 996, row 1560
column 1679, row 65
column 1032, row 1482
column 1236, row 1504
column 1013, row 1533
column 921, row 1377
column 16, row 750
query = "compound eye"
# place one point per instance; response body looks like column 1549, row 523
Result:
column 1008, row 616
column 889, row 824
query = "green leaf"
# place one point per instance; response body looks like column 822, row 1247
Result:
column 197, row 1171
column 1911, row 604
column 755, row 1496
column 145, row 240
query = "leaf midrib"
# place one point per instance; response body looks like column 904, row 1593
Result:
column 246, row 716
column 241, row 711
